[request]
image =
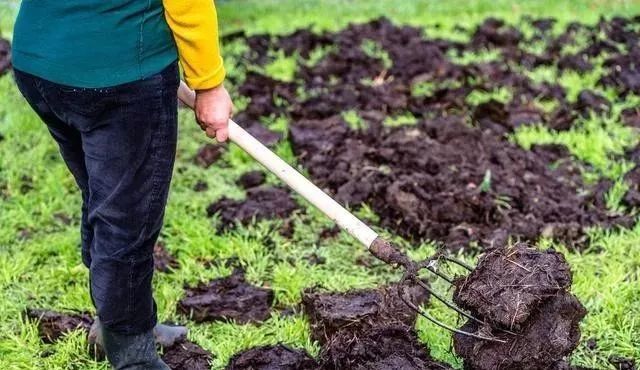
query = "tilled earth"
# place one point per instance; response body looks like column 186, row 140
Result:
column 451, row 173
column 453, row 176
column 228, row 298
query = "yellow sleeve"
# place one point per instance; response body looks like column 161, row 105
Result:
column 194, row 24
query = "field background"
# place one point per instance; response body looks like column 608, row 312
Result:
column 40, row 262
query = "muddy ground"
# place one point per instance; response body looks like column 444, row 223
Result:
column 187, row 355
column 451, row 173
column 278, row 357
column 330, row 313
column 54, row 325
column 228, row 298
column 260, row 203
column 453, row 176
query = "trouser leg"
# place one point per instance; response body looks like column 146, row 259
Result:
column 129, row 155
column 69, row 142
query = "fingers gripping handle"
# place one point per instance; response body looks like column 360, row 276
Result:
column 291, row 177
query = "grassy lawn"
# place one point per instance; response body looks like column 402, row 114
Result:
column 40, row 263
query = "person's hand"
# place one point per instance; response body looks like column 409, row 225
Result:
column 213, row 108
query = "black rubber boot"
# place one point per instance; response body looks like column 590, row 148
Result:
column 165, row 335
column 132, row 352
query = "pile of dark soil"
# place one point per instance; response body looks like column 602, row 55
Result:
column 368, row 329
column 525, row 291
column 261, row 203
column 187, row 355
column 631, row 198
column 208, row 154
column 509, row 283
column 5, row 56
column 251, row 179
column 381, row 347
column 453, row 177
column 355, row 311
column 621, row 363
column 229, row 298
column 444, row 180
column 54, row 325
column 278, row 357
column 262, row 134
column 163, row 261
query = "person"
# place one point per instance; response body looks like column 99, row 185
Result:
column 103, row 77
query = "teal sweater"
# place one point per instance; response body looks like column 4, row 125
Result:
column 92, row 43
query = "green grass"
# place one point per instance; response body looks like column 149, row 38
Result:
column 39, row 255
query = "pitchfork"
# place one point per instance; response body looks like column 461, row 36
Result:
column 379, row 247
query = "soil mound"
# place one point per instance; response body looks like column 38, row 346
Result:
column 453, row 177
column 261, row 203
column 54, row 325
column 446, row 181
column 163, row 261
column 229, row 298
column 278, row 357
column 551, row 333
column 357, row 310
column 381, row 347
column 621, row 363
column 5, row 56
column 525, row 291
column 251, row 179
column 187, row 355
column 264, row 135
column 208, row 154
column 509, row 283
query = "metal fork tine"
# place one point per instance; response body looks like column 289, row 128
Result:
column 441, row 275
column 445, row 326
column 447, row 303
column 458, row 262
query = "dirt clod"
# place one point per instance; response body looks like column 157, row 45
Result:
column 208, row 155
column 54, row 325
column 251, row 179
column 527, row 292
column 261, row 203
column 229, row 298
column 163, row 261
column 381, row 347
column 551, row 333
column 5, row 56
column 186, row 355
column 508, row 284
column 277, row 357
column 356, row 310
column 622, row 363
